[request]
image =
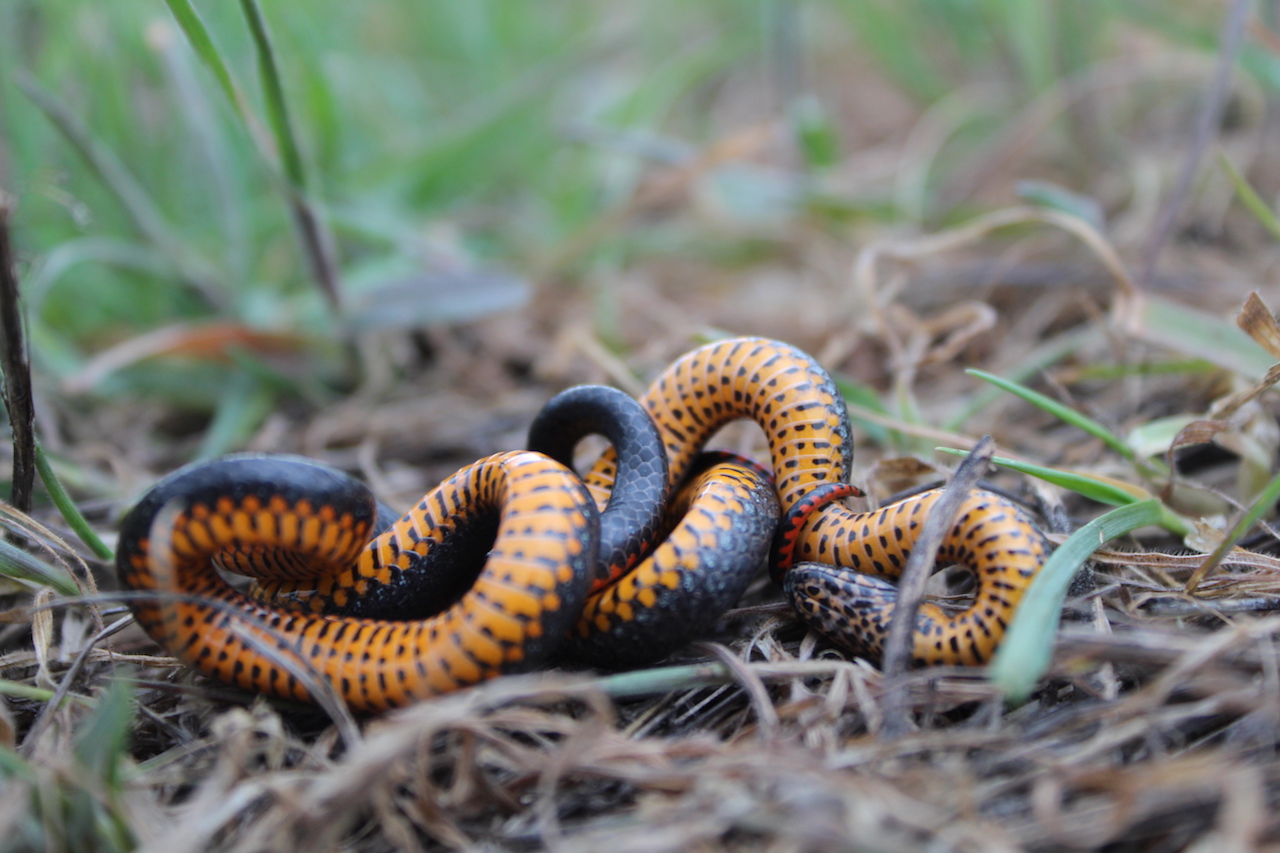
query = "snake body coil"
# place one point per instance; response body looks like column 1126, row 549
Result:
column 804, row 420
column 725, row 520
column 288, row 516
column 648, row 602
column 421, row 609
column 631, row 513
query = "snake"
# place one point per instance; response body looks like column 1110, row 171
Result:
column 836, row 565
column 506, row 563
column 288, row 517
column 664, row 576
column 390, row 611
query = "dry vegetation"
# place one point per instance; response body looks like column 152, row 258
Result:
column 1157, row 724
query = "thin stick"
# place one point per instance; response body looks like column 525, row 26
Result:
column 46, row 715
column 766, row 714
column 897, row 653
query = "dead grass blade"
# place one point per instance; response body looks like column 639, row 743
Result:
column 911, row 586
column 1206, row 128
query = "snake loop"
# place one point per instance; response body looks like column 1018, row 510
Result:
column 285, row 515
column 649, row 601
column 804, row 420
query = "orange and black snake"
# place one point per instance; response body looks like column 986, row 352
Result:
column 664, row 575
column 361, row 622
column 420, row 609
column 836, row 587
column 290, row 518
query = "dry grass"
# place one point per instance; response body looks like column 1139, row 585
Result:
column 1154, row 729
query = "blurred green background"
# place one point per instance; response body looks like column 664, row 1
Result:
column 452, row 156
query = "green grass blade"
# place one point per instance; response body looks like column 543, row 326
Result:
column 888, row 33
column 646, row 682
column 1082, row 484
column 202, row 42
column 100, row 744
column 1162, row 367
column 1250, row 199
column 1095, row 488
column 244, row 404
column 14, row 766
column 1029, row 28
column 68, row 254
column 1058, row 410
column 101, row 748
column 1187, row 330
column 311, row 230
column 1024, row 655
column 24, row 691
column 273, row 91
column 1059, row 198
column 1157, row 435
column 18, row 564
column 815, row 134
column 69, row 510
column 1045, row 354
column 146, row 217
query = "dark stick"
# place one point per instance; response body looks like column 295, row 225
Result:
column 17, row 371
column 915, row 575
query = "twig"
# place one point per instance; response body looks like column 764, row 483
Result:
column 766, row 715
column 897, row 653
column 1261, row 504
column 1207, row 122
column 1180, row 607
column 45, row 717
column 17, row 371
